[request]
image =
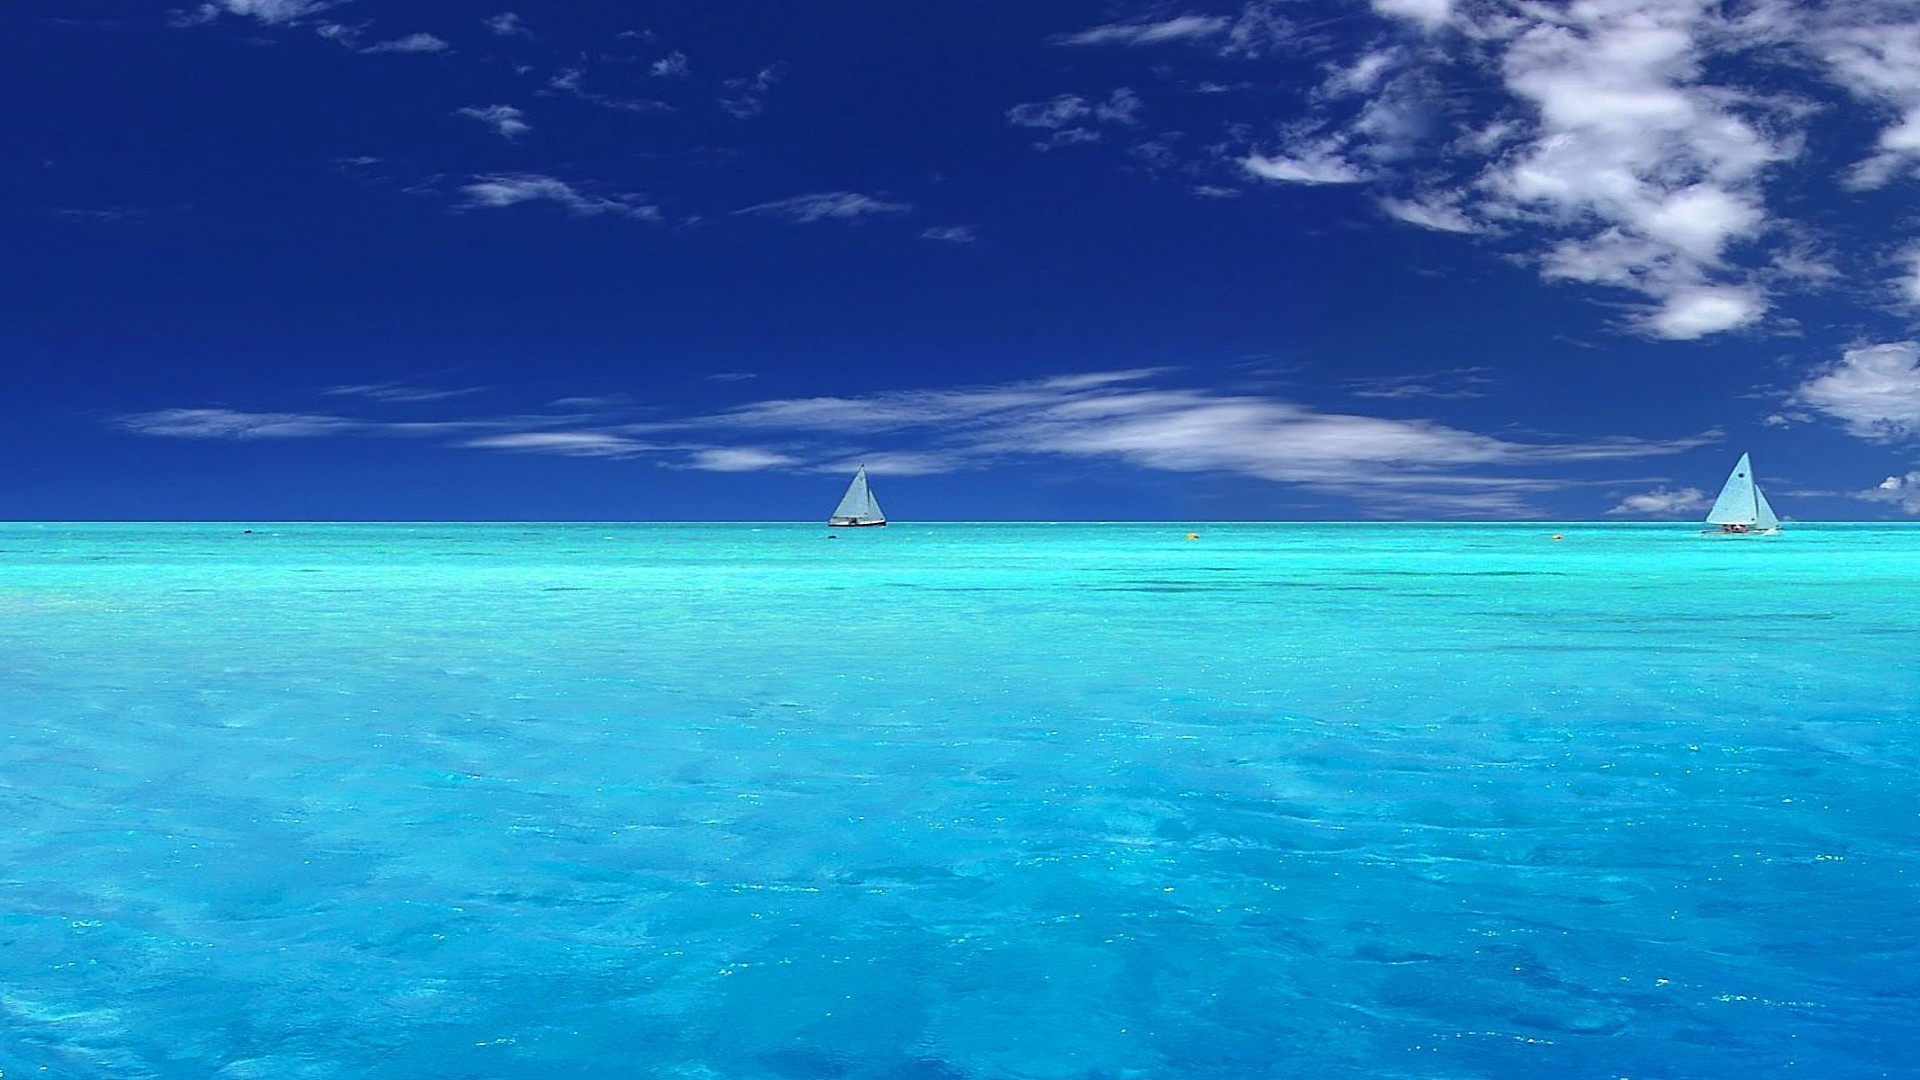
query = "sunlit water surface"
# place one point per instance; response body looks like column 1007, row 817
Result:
column 958, row 801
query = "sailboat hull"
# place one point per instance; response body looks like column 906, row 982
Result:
column 855, row 524
column 1775, row 531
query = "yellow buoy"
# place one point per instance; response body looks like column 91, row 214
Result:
column 1193, row 536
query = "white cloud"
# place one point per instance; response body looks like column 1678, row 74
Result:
column 1074, row 136
column 1907, row 285
column 1121, row 107
column 570, row 443
column 1319, row 163
column 1179, row 28
column 745, row 98
column 351, row 36
column 1694, row 311
column 952, row 234
column 1111, row 415
column 506, row 24
column 827, row 206
column 1873, row 390
column 506, row 121
column 397, row 392
column 1873, row 50
column 412, row 43
column 1430, row 14
column 1900, row 491
column 1074, row 119
column 1647, row 172
column 738, row 459
column 674, row 65
column 569, row 82
column 1437, row 212
column 1452, row 384
column 1057, row 113
column 234, row 424
column 510, row 189
column 1663, row 503
column 1394, row 465
column 896, row 463
column 1627, row 144
column 267, row 11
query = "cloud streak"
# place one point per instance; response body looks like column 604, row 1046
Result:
column 1117, row 416
column 512, row 189
column 827, row 206
column 270, row 12
column 1179, row 28
column 1123, row 417
column 505, row 120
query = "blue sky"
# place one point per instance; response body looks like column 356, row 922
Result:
column 1254, row 259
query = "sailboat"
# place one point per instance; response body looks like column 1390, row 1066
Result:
column 857, row 506
column 1741, row 509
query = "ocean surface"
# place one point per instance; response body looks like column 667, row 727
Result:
column 958, row 801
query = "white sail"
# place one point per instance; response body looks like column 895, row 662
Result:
column 1764, row 517
column 858, row 506
column 1742, row 507
column 1739, row 502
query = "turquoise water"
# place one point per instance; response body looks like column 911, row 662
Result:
column 957, row 801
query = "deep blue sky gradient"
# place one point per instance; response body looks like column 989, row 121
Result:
column 239, row 209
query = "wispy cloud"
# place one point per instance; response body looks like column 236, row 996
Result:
column 571, row 82
column 512, row 189
column 568, row 443
column 1640, row 172
column 506, row 121
column 1116, row 416
column 1452, row 384
column 411, row 43
column 1899, row 491
column 1126, row 417
column 398, row 392
column 1307, row 163
column 235, row 424
column 1661, row 503
column 271, row 12
column 506, row 24
column 1630, row 146
column 353, row 36
column 1430, row 14
column 827, row 206
column 1179, row 28
column 674, row 65
column 951, row 234
column 745, row 98
column 1074, row 119
column 739, row 459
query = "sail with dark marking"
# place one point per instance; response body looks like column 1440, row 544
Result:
column 1742, row 507
column 858, row 506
